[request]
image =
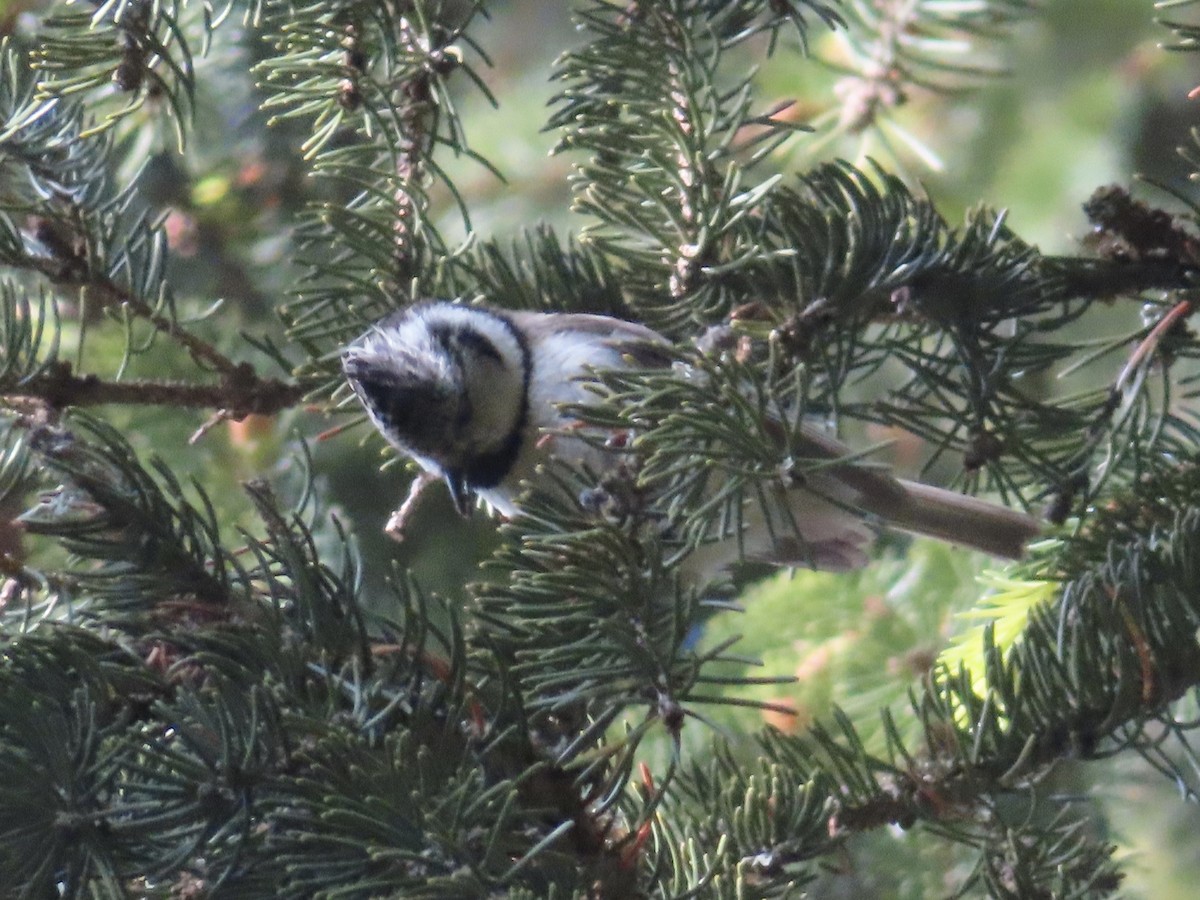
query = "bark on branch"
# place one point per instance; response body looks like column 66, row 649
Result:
column 239, row 393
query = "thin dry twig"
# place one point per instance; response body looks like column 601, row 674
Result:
column 241, row 392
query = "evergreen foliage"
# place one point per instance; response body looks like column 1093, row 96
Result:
column 206, row 692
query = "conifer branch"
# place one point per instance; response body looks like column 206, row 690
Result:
column 416, row 118
column 73, row 273
column 133, row 52
column 204, row 688
column 241, row 393
column 891, row 48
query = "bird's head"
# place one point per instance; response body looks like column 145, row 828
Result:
column 448, row 386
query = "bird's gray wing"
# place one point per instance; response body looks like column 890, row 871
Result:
column 869, row 481
column 649, row 349
column 644, row 346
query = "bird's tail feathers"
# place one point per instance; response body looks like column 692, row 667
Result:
column 955, row 518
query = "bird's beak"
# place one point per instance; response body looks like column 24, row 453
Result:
column 461, row 494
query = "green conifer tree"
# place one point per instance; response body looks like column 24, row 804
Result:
column 218, row 680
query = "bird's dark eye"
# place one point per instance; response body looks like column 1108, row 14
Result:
column 479, row 345
column 458, row 339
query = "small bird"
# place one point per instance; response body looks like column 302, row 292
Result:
column 471, row 392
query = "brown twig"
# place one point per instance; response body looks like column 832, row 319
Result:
column 238, row 394
column 876, row 84
column 111, row 295
column 68, row 267
column 1103, row 279
column 398, row 523
column 415, row 110
column 695, row 176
